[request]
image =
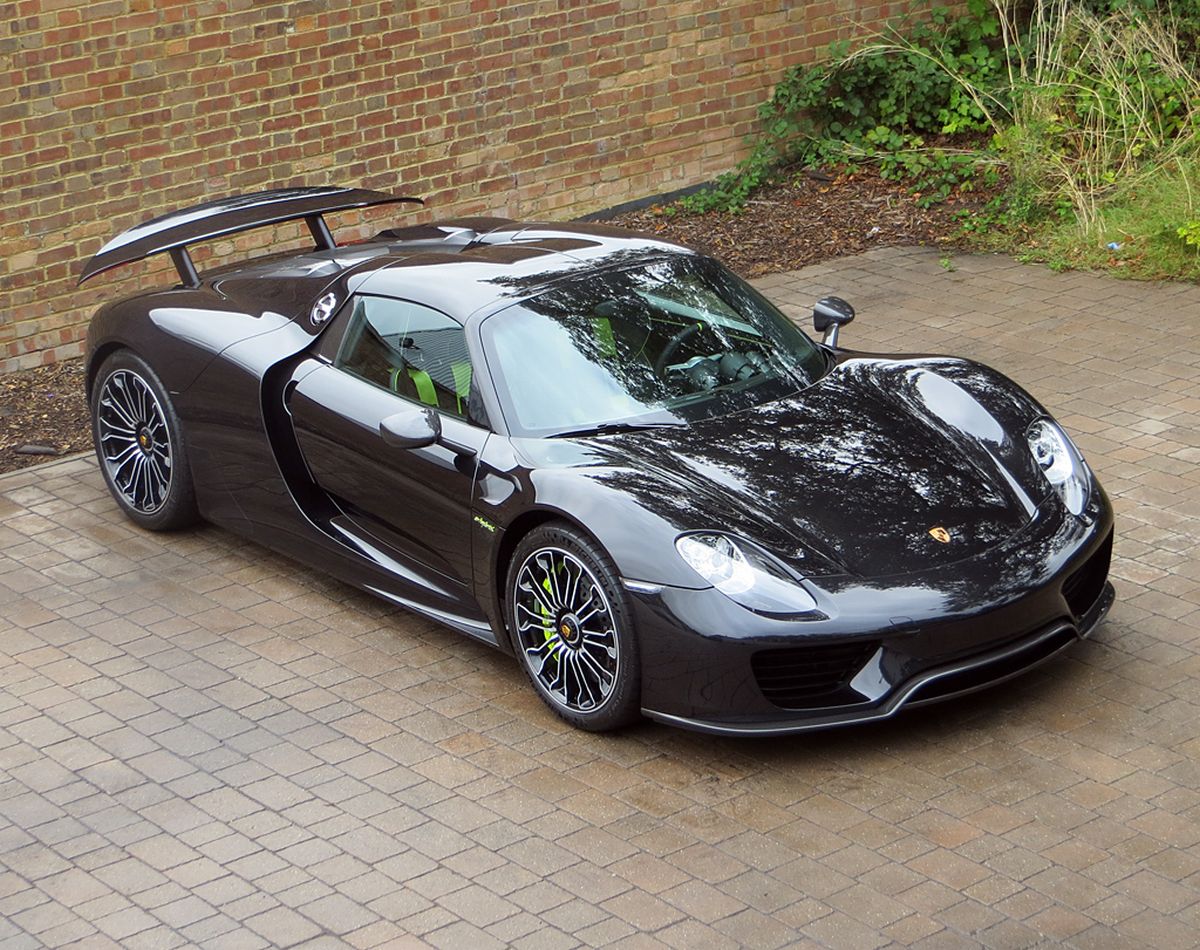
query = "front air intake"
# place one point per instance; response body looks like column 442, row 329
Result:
column 1083, row 588
column 995, row 669
column 806, row 676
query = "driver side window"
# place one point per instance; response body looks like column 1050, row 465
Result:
column 411, row 350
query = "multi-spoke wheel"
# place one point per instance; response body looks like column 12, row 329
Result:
column 138, row 443
column 567, row 613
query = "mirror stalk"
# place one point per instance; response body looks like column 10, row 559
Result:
column 829, row 315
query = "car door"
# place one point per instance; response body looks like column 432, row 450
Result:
column 410, row 508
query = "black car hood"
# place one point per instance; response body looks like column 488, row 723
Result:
column 850, row 475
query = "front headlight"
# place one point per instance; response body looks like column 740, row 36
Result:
column 1060, row 463
column 744, row 574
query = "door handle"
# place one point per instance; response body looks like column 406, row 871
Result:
column 411, row 429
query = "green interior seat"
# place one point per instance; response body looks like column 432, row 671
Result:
column 602, row 328
column 462, row 383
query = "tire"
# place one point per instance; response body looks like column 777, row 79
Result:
column 574, row 639
column 139, row 444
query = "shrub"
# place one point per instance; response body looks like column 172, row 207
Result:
column 880, row 104
column 1100, row 105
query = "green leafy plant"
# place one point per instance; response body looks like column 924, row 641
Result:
column 1104, row 104
column 880, row 104
column 1145, row 222
column 1096, row 120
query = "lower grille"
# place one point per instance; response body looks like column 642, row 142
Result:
column 801, row 677
column 1083, row 588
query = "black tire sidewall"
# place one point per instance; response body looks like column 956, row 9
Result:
column 623, row 706
column 179, row 509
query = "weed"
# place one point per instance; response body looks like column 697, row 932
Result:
column 1150, row 226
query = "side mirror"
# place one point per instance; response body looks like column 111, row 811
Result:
column 830, row 313
column 412, row 429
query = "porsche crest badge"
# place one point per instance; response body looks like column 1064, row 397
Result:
column 938, row 533
column 323, row 309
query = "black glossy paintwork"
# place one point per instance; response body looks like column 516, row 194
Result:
column 418, row 500
column 841, row 481
column 699, row 651
column 855, row 470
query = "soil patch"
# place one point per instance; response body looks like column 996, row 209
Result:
column 44, row 411
column 812, row 219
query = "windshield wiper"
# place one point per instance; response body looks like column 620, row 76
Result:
column 609, row 428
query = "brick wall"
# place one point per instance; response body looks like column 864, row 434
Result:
column 112, row 111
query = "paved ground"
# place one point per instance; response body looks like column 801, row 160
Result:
column 202, row 743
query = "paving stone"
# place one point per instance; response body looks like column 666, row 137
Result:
column 283, row 927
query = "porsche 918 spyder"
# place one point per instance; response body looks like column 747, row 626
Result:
column 606, row 455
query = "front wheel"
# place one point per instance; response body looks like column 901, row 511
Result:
column 571, row 628
column 139, row 443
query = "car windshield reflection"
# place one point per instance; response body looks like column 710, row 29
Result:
column 660, row 343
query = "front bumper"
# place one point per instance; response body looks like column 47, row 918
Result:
column 713, row 666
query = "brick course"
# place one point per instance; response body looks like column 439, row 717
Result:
column 112, row 112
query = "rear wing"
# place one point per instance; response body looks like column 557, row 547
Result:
column 203, row 222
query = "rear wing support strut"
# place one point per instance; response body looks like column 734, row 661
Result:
column 183, row 263
column 190, row 277
column 320, row 232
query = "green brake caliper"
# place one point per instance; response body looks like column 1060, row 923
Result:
column 548, row 630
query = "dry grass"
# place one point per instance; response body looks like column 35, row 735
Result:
column 1093, row 107
column 1102, row 106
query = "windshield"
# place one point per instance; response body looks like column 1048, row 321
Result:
column 664, row 342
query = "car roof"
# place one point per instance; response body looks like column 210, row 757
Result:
column 509, row 263
column 460, row 266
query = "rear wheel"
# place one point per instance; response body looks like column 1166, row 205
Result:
column 140, row 445
column 570, row 623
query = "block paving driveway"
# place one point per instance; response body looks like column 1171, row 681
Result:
column 203, row 744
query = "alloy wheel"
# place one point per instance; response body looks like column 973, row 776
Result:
column 566, row 629
column 135, row 442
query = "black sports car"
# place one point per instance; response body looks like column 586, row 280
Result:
column 607, row 455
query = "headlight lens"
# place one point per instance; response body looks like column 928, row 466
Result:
column 1060, row 463
column 744, row 574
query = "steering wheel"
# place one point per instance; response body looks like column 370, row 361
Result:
column 673, row 344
